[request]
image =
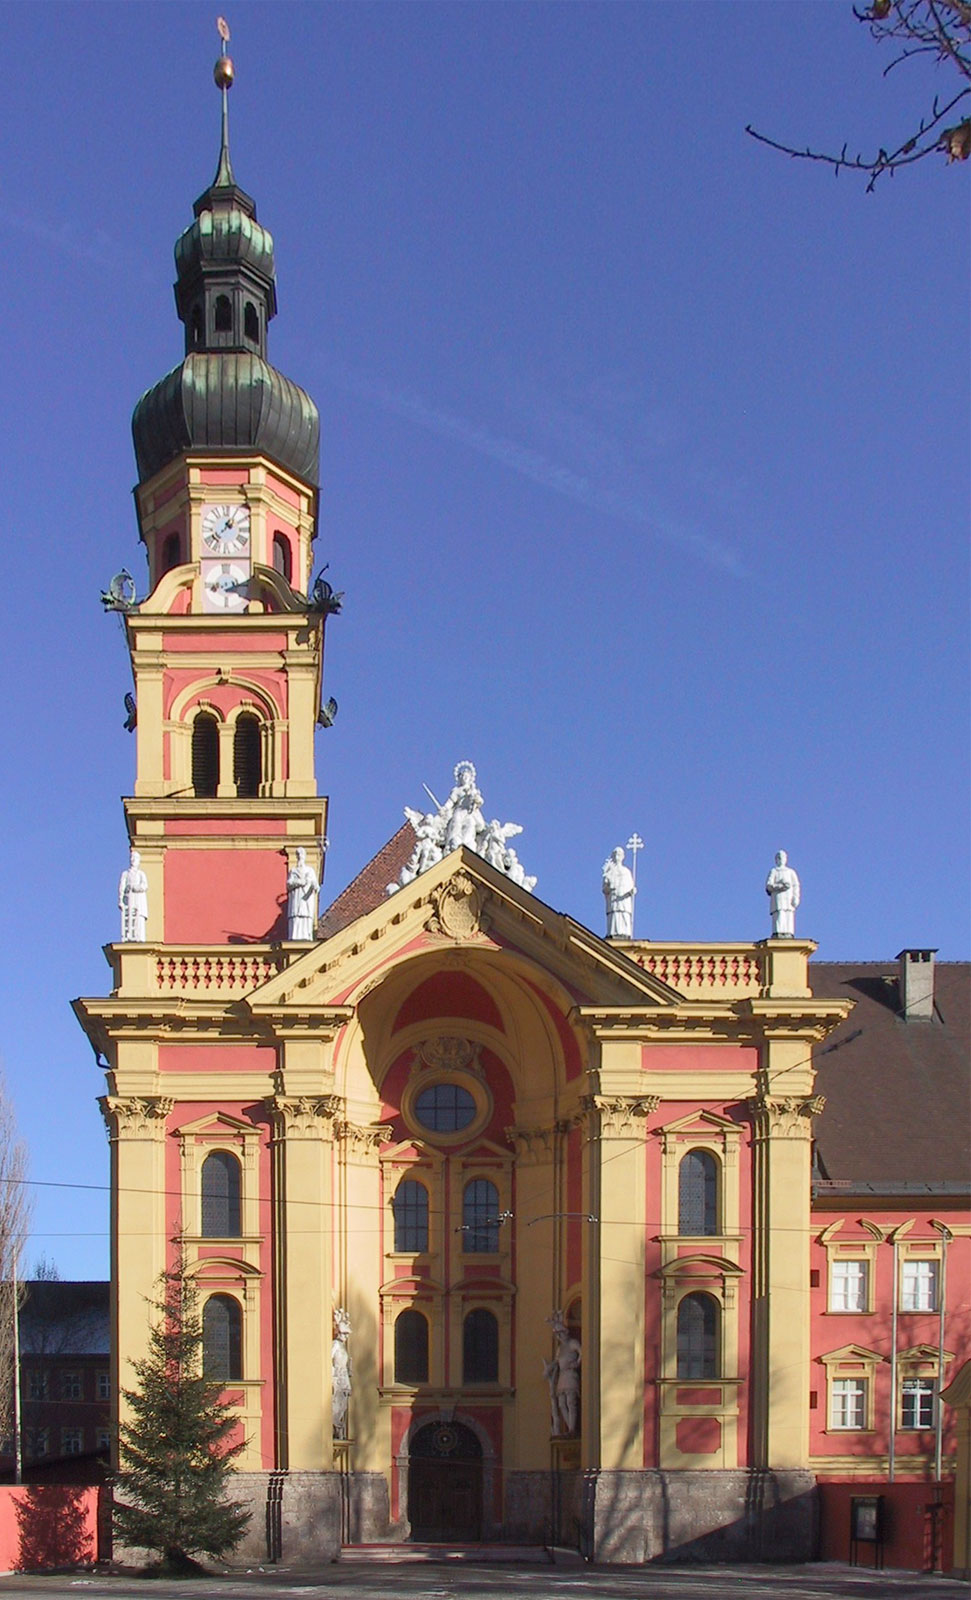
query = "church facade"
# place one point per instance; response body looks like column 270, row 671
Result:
column 501, row 1229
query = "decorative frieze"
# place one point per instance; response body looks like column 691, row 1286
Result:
column 135, row 1116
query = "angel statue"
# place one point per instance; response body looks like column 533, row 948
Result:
column 513, row 868
column 494, row 845
column 429, row 839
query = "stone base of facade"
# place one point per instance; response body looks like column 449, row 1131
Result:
column 636, row 1517
column 295, row 1519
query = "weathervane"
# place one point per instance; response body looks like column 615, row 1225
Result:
column 223, row 75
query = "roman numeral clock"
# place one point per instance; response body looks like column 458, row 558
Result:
column 226, row 558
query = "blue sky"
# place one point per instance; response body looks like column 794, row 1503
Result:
column 644, row 461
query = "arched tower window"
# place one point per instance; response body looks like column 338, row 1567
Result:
column 282, row 559
column 247, row 759
column 480, row 1217
column 698, row 1319
column 205, row 756
column 411, row 1348
column 251, row 323
column 171, row 553
column 223, row 315
column 222, row 1339
column 221, row 1189
column 698, row 1193
column 480, row 1347
column 410, row 1205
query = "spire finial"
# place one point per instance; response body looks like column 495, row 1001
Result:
column 223, row 74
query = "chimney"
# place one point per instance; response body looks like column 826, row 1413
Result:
column 916, row 982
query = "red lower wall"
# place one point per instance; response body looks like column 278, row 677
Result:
column 47, row 1525
column 908, row 1522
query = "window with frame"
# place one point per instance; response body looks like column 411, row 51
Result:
column 37, row 1384
column 71, row 1386
column 411, row 1347
column 104, row 1385
column 445, row 1108
column 410, row 1207
column 848, row 1403
column 37, row 1442
column 247, row 756
column 698, row 1341
column 205, row 756
column 480, row 1217
column 917, row 1403
column 480, row 1347
column 918, row 1285
column 849, row 1285
column 103, row 1439
column 72, row 1441
column 698, row 1193
column 221, row 1196
column 222, row 1339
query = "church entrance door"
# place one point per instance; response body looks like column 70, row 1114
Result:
column 445, row 1485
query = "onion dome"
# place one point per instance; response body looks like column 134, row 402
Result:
column 225, row 395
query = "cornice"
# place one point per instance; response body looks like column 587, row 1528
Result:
column 742, row 1021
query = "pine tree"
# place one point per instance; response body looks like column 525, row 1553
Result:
column 176, row 1452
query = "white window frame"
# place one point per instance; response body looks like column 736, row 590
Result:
column 72, row 1386
column 842, row 1279
column 924, row 1276
column 72, row 1441
column 840, row 1391
column 921, row 1388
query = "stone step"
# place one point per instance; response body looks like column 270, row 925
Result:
column 523, row 1554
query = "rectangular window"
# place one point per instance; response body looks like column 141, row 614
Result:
column 36, row 1442
column 103, row 1438
column 71, row 1387
column 848, row 1403
column 918, row 1286
column 104, row 1386
column 848, row 1285
column 37, row 1385
column 72, row 1441
column 917, row 1403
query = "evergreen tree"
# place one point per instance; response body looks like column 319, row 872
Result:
column 176, row 1453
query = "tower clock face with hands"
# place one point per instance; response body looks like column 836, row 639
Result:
column 226, row 530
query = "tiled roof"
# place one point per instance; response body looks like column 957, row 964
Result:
column 897, row 1096
column 370, row 886
column 60, row 1318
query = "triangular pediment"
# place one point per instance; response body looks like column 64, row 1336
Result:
column 218, row 1124
column 701, row 1123
column 851, row 1353
column 461, row 904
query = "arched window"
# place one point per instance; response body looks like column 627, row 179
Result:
column 221, row 1196
column 222, row 1339
column 223, row 319
column 480, row 1348
column 480, row 1217
column 171, row 553
column 247, row 762
column 195, row 327
column 698, row 1318
column 698, row 1193
column 251, row 323
column 205, row 756
column 282, row 559
column 410, row 1206
column 411, row 1348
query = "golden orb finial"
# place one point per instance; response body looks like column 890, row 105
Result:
column 223, row 70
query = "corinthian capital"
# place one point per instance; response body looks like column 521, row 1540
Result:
column 306, row 1116
column 364, row 1139
column 135, row 1116
column 785, row 1116
column 620, row 1116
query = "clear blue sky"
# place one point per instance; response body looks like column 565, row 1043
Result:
column 644, row 461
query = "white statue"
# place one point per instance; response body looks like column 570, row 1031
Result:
column 513, row 868
column 340, row 1370
column 429, row 843
column 302, row 891
column 619, row 891
column 133, row 902
column 563, row 1376
column 494, row 844
column 782, row 887
column 462, row 811
column 460, row 822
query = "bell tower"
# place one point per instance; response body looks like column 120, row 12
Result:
column 227, row 648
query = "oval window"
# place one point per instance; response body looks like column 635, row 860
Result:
column 445, row 1108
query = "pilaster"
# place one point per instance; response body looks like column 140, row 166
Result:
column 359, row 1217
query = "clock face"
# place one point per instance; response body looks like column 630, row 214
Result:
column 224, row 585
column 225, row 530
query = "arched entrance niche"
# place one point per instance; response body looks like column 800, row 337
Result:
column 445, row 1478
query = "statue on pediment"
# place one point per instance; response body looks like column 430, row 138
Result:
column 459, row 821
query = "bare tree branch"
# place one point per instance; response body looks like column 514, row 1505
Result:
column 939, row 28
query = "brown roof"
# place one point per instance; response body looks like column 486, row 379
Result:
column 370, row 886
column 898, row 1095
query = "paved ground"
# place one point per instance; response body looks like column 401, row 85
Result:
column 360, row 1581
